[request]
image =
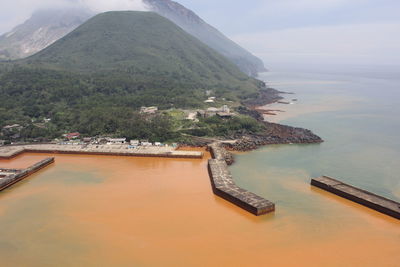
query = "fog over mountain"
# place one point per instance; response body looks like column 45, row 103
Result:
column 49, row 25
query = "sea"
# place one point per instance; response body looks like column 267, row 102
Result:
column 122, row 211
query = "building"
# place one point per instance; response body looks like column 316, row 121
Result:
column 145, row 143
column 223, row 112
column 116, row 140
column 134, row 143
column 2, row 142
column 225, row 115
column 148, row 110
column 72, row 136
column 87, row 139
column 225, row 109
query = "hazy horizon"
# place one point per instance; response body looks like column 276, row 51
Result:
column 286, row 32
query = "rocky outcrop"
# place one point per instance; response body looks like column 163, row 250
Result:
column 265, row 96
column 41, row 30
column 275, row 134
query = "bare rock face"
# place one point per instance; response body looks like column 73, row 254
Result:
column 41, row 30
column 194, row 25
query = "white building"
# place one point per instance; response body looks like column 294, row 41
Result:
column 135, row 143
column 116, row 140
column 148, row 110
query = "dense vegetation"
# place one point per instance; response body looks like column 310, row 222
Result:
column 95, row 79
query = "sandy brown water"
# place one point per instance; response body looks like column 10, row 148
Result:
column 123, row 211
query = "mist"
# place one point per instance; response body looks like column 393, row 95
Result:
column 14, row 12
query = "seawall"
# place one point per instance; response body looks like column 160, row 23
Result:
column 10, row 152
column 19, row 175
column 360, row 196
column 224, row 186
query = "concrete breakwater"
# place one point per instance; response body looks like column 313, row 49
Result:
column 365, row 198
column 109, row 150
column 8, row 177
column 224, row 186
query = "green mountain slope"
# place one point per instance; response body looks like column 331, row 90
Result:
column 112, row 65
column 140, row 44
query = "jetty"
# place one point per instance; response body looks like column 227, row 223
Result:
column 224, row 186
column 8, row 152
column 8, row 177
column 365, row 198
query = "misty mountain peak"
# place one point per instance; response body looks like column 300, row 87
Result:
column 47, row 26
column 42, row 29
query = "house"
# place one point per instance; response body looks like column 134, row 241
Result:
column 223, row 112
column 148, row 110
column 87, row 139
column 116, row 140
column 134, row 142
column 225, row 115
column 212, row 111
column 146, row 143
column 71, row 136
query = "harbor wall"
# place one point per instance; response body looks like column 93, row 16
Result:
column 9, row 180
column 170, row 154
column 360, row 196
column 224, row 186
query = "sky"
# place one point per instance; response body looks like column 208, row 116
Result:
column 364, row 32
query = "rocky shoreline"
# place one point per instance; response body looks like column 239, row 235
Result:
column 274, row 133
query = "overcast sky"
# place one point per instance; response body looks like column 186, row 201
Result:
column 278, row 31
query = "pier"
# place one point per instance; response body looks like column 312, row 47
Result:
column 8, row 177
column 224, row 186
column 365, row 198
column 108, row 150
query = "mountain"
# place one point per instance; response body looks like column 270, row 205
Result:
column 124, row 58
column 47, row 26
column 193, row 24
column 139, row 43
column 41, row 30
column 95, row 79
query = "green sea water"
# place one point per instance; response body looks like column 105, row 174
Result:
column 358, row 116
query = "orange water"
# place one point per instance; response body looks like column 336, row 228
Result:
column 122, row 211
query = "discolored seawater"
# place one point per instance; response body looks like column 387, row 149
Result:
column 122, row 211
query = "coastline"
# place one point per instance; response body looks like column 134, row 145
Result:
column 273, row 134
